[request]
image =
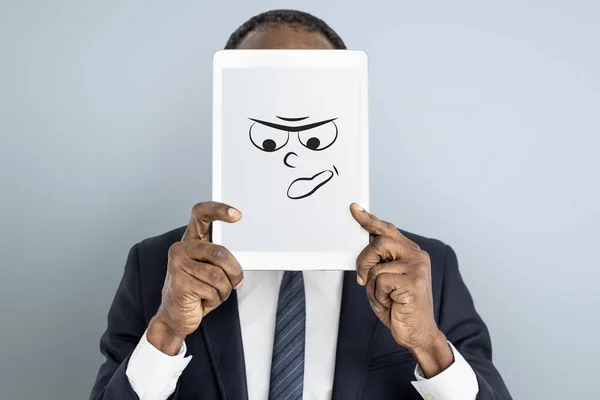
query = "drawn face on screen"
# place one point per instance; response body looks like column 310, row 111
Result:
column 313, row 136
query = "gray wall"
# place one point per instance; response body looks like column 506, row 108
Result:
column 484, row 134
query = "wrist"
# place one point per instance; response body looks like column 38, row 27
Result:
column 434, row 356
column 163, row 338
column 432, row 345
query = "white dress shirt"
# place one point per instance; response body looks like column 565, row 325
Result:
column 153, row 375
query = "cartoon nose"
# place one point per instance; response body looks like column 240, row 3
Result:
column 286, row 159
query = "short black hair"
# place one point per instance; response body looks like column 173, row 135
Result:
column 285, row 17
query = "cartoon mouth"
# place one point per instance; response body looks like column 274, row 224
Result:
column 304, row 187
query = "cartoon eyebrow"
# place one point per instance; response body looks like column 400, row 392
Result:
column 292, row 128
column 291, row 119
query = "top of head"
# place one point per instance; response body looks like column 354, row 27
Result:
column 285, row 29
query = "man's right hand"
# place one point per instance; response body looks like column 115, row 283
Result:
column 200, row 276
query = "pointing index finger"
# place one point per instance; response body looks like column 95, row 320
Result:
column 204, row 214
column 372, row 224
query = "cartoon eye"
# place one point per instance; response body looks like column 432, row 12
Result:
column 319, row 138
column 266, row 138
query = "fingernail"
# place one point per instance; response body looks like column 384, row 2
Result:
column 373, row 306
column 234, row 213
column 359, row 208
column 239, row 285
column 360, row 280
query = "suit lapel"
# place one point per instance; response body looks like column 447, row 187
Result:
column 222, row 333
column 355, row 335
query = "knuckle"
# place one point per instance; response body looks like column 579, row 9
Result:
column 176, row 256
column 178, row 284
column 219, row 253
column 369, row 220
column 213, row 296
column 216, row 274
column 424, row 256
column 408, row 299
column 198, row 207
column 359, row 263
column 172, row 266
column 389, row 226
column 176, row 249
column 363, row 255
column 365, row 222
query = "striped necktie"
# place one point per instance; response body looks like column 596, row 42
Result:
column 287, row 366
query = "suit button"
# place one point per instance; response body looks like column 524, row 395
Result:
column 429, row 397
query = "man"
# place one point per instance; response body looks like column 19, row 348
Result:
column 403, row 326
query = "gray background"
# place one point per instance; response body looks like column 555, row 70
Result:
column 484, row 134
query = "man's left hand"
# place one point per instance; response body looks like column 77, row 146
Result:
column 397, row 276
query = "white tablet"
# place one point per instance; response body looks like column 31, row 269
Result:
column 290, row 151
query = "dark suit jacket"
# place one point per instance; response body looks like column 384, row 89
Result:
column 370, row 365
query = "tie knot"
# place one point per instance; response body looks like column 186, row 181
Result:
column 290, row 280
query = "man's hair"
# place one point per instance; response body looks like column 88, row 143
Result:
column 292, row 18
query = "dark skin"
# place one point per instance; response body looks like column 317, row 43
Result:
column 396, row 273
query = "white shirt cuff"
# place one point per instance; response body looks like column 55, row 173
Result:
column 152, row 374
column 457, row 382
